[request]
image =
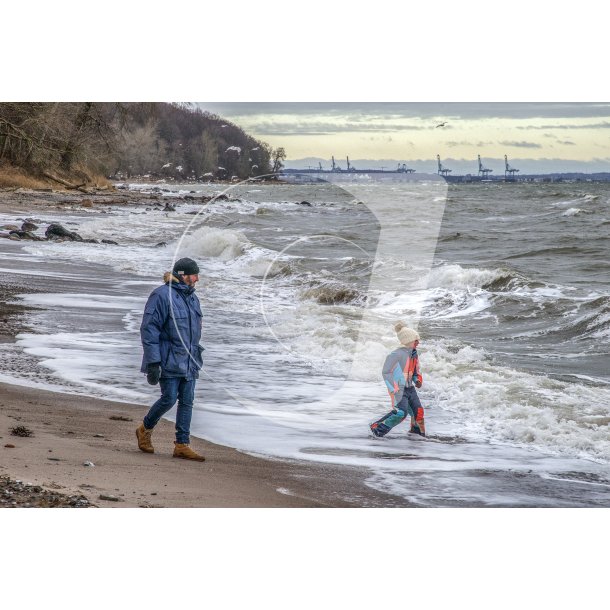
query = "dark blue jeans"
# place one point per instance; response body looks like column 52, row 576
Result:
column 172, row 389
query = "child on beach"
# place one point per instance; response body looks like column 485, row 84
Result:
column 402, row 375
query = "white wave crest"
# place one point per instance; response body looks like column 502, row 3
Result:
column 266, row 267
column 456, row 276
column 211, row 242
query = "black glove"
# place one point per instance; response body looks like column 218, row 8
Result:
column 153, row 372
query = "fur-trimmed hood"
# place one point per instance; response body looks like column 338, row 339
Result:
column 168, row 276
column 169, row 279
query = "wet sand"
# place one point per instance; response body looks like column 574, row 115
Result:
column 69, row 431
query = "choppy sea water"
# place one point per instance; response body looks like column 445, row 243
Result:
column 507, row 284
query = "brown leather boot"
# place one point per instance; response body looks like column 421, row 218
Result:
column 144, row 442
column 185, row 452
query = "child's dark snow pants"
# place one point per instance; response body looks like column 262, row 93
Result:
column 409, row 405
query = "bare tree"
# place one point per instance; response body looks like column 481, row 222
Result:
column 279, row 156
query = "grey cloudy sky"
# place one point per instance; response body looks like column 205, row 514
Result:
column 461, row 110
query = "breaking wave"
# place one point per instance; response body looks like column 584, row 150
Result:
column 224, row 244
column 456, row 277
column 332, row 293
column 575, row 212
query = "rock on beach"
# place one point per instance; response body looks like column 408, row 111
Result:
column 56, row 231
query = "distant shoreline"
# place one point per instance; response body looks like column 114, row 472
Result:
column 462, row 178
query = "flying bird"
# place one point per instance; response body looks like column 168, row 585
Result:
column 441, row 124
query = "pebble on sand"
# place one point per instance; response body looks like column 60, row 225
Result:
column 109, row 498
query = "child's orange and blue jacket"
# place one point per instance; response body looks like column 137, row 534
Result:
column 400, row 371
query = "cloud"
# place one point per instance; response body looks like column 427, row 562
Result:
column 404, row 110
column 604, row 125
column 566, row 142
column 521, row 144
column 453, row 144
column 308, row 128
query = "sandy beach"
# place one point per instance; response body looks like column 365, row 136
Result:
column 68, row 431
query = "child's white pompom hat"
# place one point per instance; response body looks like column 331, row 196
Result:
column 405, row 334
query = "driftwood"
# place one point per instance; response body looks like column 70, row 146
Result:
column 68, row 185
column 59, row 180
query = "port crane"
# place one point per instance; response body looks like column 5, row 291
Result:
column 509, row 172
column 335, row 168
column 350, row 168
column 483, row 171
column 403, row 169
column 442, row 170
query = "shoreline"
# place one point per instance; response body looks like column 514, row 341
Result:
column 69, row 430
column 472, row 474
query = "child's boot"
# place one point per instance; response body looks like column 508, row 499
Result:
column 418, row 426
column 379, row 429
column 383, row 425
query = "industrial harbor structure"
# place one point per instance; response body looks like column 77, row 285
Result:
column 483, row 174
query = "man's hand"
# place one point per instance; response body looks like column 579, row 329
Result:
column 153, row 372
column 418, row 384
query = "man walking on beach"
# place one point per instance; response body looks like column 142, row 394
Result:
column 170, row 332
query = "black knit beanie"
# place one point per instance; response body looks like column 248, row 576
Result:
column 186, row 266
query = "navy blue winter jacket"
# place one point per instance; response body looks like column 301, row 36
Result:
column 171, row 331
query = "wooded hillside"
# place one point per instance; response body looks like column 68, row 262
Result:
column 81, row 140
